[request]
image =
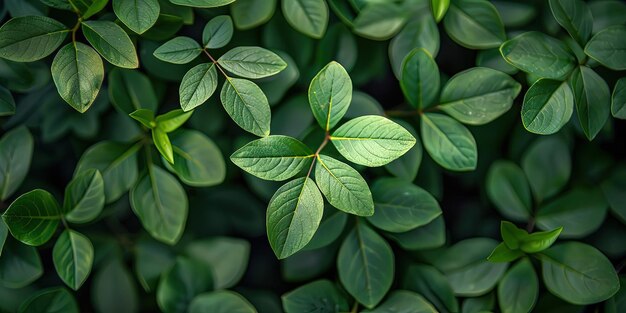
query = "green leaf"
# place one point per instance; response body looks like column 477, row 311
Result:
column 198, row 161
column 4, row 232
column 539, row 241
column 502, row 253
column 226, row 257
column 403, row 301
column 221, row 302
column 30, row 38
column 20, row 265
column 417, row 33
column 439, row 8
column 293, row 216
column 365, row 265
column 162, row 143
column 330, row 229
column 512, row 235
column 548, row 106
column 474, row 24
column 112, row 42
column 16, row 152
column 88, row 8
column 372, row 140
column 252, row 62
column 539, row 54
column 343, row 186
column 248, row 14
column 614, row 189
column 116, row 162
column 420, row 79
column 130, row 91
column 547, row 164
column 197, row 86
column 433, row 285
column 178, row 286
column 202, row 3
column 138, row 15
column 430, row 236
column 246, row 104
column 608, row 48
column 407, row 166
column 519, row 288
column 78, row 72
column 179, row 50
column 618, row 100
column 578, row 273
column 508, row 190
column 33, row 217
column 152, row 258
column 479, row 95
column 401, row 206
column 448, row 142
column 309, row 17
column 84, row 197
column 379, row 20
column 7, row 103
column 321, row 295
column 575, row 17
column 73, row 257
column 580, row 212
column 330, row 94
column 592, row 97
column 145, row 117
column 172, row 120
column 218, row 32
column 160, row 202
column 114, row 288
column 56, row 299
column 273, row 157
column 492, row 58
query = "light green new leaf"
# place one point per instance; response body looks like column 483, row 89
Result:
column 322, row 295
column 247, row 105
column 179, row 50
column 293, row 216
column 178, row 286
column 87, row 8
column 160, row 202
column 539, row 54
column 252, row 62
column 343, row 186
column 55, row 299
column 202, row 3
column 73, row 256
column 112, row 42
column 197, row 159
column 519, row 288
column 197, row 86
column 417, row 33
column 172, row 120
column 131, row 90
column 403, row 301
column 221, row 302
column 84, row 197
column 474, row 24
column 448, row 142
column 479, row 95
column 618, row 99
column 372, row 140
column 539, row 241
column 401, row 206
column 578, row 273
column 380, row 20
column 502, row 253
column 509, row 191
column 248, row 14
column 439, row 8
column 575, row 17
column 162, row 143
column 512, row 235
column 609, row 47
column 78, row 72
column 548, row 106
column 7, row 103
column 218, row 32
column 116, row 162
column 33, row 217
column 16, row 152
column 592, row 97
column 30, row 38
column 273, row 157
column 138, row 15
column 145, row 117
column 365, row 264
column 548, row 165
column 420, row 79
column 330, row 94
column 580, row 212
column 226, row 257
column 309, row 17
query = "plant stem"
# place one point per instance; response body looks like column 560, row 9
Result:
column 75, row 28
column 215, row 63
column 317, row 152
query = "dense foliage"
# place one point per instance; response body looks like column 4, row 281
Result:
column 359, row 156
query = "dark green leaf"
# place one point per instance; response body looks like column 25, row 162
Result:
column 420, row 79
column 7, row 103
column 16, row 152
column 33, row 217
column 246, row 104
column 226, row 257
column 519, row 288
column 509, row 191
column 418, row 33
column 20, row 265
column 433, row 285
column 56, row 299
column 84, row 197
column 218, row 32
column 202, row 3
column 112, row 42
column 248, row 14
column 403, row 301
column 548, row 106
column 608, row 48
column 138, row 15
column 320, row 295
column 379, row 20
column 547, row 164
column 178, row 286
column 180, row 50
column 73, row 256
column 592, row 98
column 448, row 142
column 474, row 24
column 221, row 302
column 575, row 17
column 114, row 289
column 580, row 212
column 309, row 17
column 131, row 90
column 197, row 160
column 30, row 38
column 618, row 100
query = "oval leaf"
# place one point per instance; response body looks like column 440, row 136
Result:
column 84, row 197
column 197, row 86
column 548, row 106
column 180, row 50
column 309, row 17
column 73, row 256
column 112, row 42
column 33, row 217
column 247, row 105
column 449, row 143
column 30, row 38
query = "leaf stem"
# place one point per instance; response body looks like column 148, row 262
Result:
column 317, row 152
column 355, row 307
column 75, row 28
column 215, row 63
column 64, row 223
